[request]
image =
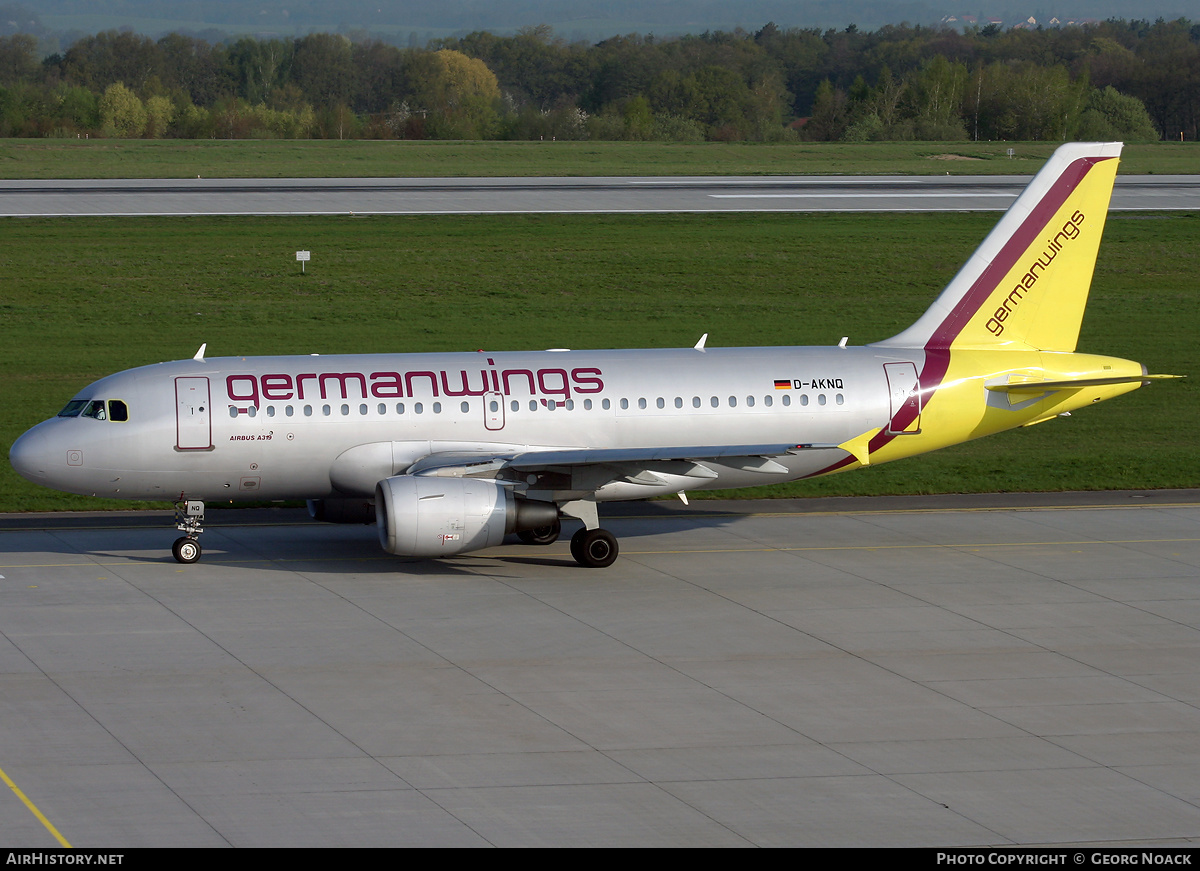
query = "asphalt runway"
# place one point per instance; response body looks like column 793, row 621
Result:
column 937, row 671
column 172, row 197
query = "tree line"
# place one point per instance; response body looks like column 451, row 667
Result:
column 1114, row 79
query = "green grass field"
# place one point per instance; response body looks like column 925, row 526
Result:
column 85, row 297
column 118, row 158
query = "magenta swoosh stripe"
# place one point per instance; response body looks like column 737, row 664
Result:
column 1018, row 244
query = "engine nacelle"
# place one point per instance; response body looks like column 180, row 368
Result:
column 342, row 510
column 432, row 516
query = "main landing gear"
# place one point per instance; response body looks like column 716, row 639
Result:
column 591, row 546
column 189, row 519
column 594, row 548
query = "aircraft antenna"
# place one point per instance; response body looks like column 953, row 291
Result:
column 200, row 354
column 699, row 346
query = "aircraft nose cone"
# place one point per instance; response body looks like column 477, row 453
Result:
column 28, row 457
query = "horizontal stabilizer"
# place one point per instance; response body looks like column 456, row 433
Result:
column 1074, row 383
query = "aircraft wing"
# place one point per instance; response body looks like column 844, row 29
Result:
column 596, row 456
column 630, row 461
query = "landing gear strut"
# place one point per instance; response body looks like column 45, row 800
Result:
column 189, row 519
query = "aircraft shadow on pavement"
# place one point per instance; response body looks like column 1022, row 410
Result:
column 300, row 545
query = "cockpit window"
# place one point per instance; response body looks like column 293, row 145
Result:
column 95, row 409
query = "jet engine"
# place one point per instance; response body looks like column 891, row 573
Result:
column 432, row 516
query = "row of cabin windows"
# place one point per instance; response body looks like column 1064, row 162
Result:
column 549, row 404
column 117, row 410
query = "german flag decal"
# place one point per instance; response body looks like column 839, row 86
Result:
column 783, row 383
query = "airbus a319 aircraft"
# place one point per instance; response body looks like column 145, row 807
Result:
column 451, row 452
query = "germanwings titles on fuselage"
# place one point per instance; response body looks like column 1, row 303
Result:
column 280, row 387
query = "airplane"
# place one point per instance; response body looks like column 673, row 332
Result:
column 451, row 452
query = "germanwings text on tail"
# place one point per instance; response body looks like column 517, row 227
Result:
column 452, row 452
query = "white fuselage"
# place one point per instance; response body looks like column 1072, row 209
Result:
column 315, row 427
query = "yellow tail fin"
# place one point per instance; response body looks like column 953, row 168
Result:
column 1027, row 285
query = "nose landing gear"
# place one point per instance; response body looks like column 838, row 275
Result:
column 189, row 519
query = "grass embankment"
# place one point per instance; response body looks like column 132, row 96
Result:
column 116, row 158
column 86, row 297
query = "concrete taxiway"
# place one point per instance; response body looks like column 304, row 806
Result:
column 399, row 196
column 923, row 671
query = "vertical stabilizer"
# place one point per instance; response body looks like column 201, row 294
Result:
column 1026, row 286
